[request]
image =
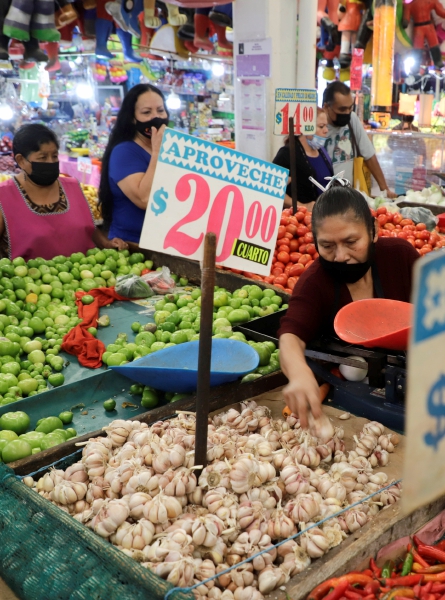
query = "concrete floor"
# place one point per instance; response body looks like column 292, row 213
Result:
column 5, row 592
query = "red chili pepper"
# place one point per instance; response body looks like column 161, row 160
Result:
column 417, row 541
column 372, row 588
column 417, row 589
column 338, row 592
column 430, row 597
column 408, row 580
column 442, row 597
column 350, row 595
column 440, row 545
column 409, row 547
column 370, row 597
column 426, row 589
column 321, row 590
column 439, row 577
column 420, row 560
column 432, row 552
column 433, row 569
column 374, row 568
column 359, row 591
column 438, row 587
column 368, row 572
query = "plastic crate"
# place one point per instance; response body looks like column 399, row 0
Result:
column 45, row 554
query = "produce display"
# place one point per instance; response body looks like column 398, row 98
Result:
column 177, row 320
column 265, row 480
column 295, row 249
column 420, row 573
column 91, row 194
column 8, row 164
column 431, row 195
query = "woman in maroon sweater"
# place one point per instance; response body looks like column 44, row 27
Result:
column 354, row 264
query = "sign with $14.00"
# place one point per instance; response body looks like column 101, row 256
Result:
column 202, row 187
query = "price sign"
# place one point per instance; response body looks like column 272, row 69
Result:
column 201, row 187
column 424, row 468
column 357, row 69
column 299, row 104
column 84, row 165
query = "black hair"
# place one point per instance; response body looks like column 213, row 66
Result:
column 30, row 137
column 124, row 130
column 336, row 87
column 341, row 200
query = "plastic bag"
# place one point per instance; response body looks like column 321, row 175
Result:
column 420, row 215
column 160, row 282
column 132, row 286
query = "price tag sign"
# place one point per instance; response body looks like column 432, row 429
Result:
column 357, row 69
column 201, row 187
column 424, row 468
column 299, row 104
column 84, row 165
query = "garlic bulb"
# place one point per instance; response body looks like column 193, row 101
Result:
column 314, row 542
column 279, row 526
column 391, row 495
column 388, row 442
column 206, row 530
column 162, row 508
column 321, row 428
column 68, row 492
column 304, row 508
column 135, row 536
column 355, row 519
column 365, row 445
column 110, row 516
column 271, row 578
column 374, row 428
column 294, row 482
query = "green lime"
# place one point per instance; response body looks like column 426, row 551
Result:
column 56, row 379
column 92, row 330
column 136, row 327
column 87, row 299
column 149, row 399
column 66, row 417
column 109, row 404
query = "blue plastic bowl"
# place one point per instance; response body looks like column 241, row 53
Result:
column 175, row 369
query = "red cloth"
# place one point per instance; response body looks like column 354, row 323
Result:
column 79, row 341
column 311, row 305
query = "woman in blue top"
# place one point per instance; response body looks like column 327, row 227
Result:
column 129, row 162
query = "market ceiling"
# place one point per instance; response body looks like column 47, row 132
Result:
column 197, row 3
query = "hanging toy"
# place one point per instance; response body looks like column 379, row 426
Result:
column 349, row 26
column 175, row 18
column 28, row 20
column 364, row 33
column 52, row 50
column 117, row 71
column 186, row 33
column 65, row 14
column 221, row 18
column 125, row 38
column 99, row 70
column 424, row 31
column 327, row 19
column 104, row 28
column 203, row 30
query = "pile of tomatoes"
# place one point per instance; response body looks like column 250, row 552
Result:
column 295, row 250
column 395, row 225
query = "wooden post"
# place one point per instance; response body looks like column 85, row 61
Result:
column 205, row 349
column 293, row 165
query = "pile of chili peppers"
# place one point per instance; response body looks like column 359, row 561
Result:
column 421, row 575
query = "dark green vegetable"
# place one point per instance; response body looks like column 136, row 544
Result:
column 388, row 568
column 408, row 564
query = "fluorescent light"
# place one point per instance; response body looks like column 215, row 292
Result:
column 218, row 69
column 84, row 91
column 6, row 112
column 408, row 64
column 173, row 101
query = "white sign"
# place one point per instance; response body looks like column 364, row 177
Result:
column 299, row 104
column 84, row 165
column 424, row 469
column 201, row 187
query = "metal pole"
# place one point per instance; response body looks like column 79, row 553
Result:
column 205, row 349
column 293, row 164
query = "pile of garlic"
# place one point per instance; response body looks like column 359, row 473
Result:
column 266, row 480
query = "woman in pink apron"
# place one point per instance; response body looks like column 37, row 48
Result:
column 40, row 214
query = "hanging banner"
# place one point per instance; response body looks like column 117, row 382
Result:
column 424, row 467
column 299, row 104
column 200, row 187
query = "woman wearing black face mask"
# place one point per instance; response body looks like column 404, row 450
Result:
column 354, row 264
column 129, row 162
column 41, row 215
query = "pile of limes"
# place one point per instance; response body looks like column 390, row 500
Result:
column 177, row 320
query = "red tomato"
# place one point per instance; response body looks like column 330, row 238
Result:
column 419, row 243
column 420, row 226
column 291, row 229
column 302, row 230
column 389, row 216
column 308, row 264
column 293, row 245
column 276, row 272
column 434, row 238
column 288, row 290
column 295, row 256
column 281, row 279
column 397, row 218
column 316, row 255
column 296, row 270
column 283, row 242
column 287, row 212
column 299, row 216
column 278, row 285
column 274, row 260
column 283, row 257
column 398, row 228
column 427, row 247
column 412, row 242
column 402, row 234
column 380, row 233
column 257, row 277
column 281, row 231
column 281, row 249
column 145, row 271
column 405, row 222
column 291, row 282
column 307, row 218
column 279, row 265
column 425, row 250
column 302, row 209
column 382, row 219
column 381, row 210
column 304, row 259
column 287, row 268
column 389, row 226
column 302, row 248
column 269, row 279
column 284, row 221
column 288, row 235
column 408, row 228
column 311, row 249
column 309, row 237
column 293, row 221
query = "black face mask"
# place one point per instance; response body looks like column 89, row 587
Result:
column 348, row 273
column 144, row 127
column 341, row 120
column 44, row 173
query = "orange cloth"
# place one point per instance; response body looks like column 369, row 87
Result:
column 79, row 341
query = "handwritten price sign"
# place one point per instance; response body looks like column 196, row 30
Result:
column 425, row 406
column 299, row 104
column 201, row 187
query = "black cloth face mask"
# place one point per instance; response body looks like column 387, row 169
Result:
column 44, row 173
column 348, row 273
column 144, row 127
column 341, row 120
